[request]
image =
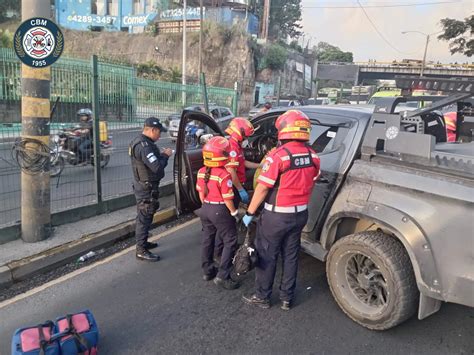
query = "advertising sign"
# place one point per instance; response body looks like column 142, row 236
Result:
column 192, row 13
column 307, row 76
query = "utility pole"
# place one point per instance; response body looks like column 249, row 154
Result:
column 200, row 36
column 423, row 64
column 266, row 19
column 424, row 55
column 35, row 122
column 185, row 8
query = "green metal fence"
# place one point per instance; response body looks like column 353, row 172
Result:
column 124, row 101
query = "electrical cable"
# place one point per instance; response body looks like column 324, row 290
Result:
column 31, row 155
column 377, row 30
column 380, row 6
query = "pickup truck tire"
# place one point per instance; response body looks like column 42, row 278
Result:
column 371, row 278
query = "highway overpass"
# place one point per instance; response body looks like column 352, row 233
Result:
column 357, row 72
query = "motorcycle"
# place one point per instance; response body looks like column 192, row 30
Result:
column 193, row 132
column 65, row 150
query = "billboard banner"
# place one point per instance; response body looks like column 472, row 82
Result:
column 341, row 72
column 307, row 76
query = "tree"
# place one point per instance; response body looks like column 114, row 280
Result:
column 459, row 34
column 275, row 57
column 326, row 52
column 285, row 16
column 9, row 8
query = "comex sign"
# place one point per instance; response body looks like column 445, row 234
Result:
column 136, row 20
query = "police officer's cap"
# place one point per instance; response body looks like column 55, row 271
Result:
column 155, row 123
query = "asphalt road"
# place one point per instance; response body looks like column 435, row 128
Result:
column 144, row 308
column 76, row 186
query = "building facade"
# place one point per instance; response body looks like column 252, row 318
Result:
column 109, row 15
column 133, row 15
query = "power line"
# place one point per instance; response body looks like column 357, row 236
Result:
column 377, row 30
column 381, row 6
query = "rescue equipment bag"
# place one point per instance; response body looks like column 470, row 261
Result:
column 246, row 257
column 35, row 340
column 78, row 334
column 73, row 334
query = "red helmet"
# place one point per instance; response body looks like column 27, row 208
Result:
column 216, row 152
column 293, row 125
column 239, row 128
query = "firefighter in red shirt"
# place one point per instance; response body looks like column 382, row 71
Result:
column 214, row 185
column 285, row 184
column 239, row 130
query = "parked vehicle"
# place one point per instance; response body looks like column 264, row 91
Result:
column 317, row 101
column 222, row 116
column 256, row 110
column 392, row 212
column 65, row 150
column 288, row 103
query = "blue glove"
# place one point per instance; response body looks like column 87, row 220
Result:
column 247, row 219
column 244, row 196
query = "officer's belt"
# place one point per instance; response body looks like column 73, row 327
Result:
column 290, row 209
column 214, row 203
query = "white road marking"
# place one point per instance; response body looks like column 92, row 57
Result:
column 89, row 267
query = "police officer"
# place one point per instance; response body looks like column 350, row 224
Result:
column 285, row 184
column 214, row 185
column 148, row 166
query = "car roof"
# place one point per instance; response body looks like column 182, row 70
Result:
column 354, row 112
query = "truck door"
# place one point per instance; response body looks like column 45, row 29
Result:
column 188, row 158
column 331, row 141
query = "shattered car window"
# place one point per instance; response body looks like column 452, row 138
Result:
column 325, row 139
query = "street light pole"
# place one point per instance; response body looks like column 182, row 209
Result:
column 423, row 64
column 200, row 36
column 184, row 53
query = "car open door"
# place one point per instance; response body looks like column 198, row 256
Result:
column 188, row 158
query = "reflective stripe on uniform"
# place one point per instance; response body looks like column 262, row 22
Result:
column 229, row 195
column 290, row 209
column 267, row 180
column 211, row 177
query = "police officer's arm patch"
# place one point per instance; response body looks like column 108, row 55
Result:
column 151, row 157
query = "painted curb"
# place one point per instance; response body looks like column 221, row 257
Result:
column 22, row 269
column 5, row 276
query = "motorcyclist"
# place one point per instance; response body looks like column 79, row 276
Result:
column 266, row 107
column 85, row 134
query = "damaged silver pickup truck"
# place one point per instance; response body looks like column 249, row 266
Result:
column 393, row 212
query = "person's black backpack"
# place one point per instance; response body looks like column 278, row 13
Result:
column 246, row 257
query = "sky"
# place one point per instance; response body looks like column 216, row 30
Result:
column 350, row 29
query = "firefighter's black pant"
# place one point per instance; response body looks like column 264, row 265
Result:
column 147, row 205
column 278, row 233
column 217, row 225
column 219, row 244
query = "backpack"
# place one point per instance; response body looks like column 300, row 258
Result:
column 246, row 257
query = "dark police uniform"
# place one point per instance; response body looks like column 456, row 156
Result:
column 290, row 172
column 217, row 222
column 148, row 167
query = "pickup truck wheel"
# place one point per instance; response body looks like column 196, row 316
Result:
column 371, row 278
